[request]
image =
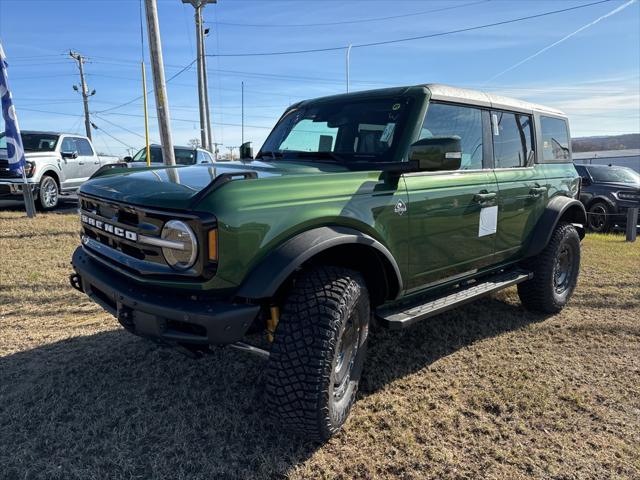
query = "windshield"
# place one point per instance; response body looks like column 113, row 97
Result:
column 184, row 156
column 34, row 142
column 614, row 174
column 356, row 130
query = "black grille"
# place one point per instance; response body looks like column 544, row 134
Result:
column 5, row 172
column 131, row 255
column 127, row 218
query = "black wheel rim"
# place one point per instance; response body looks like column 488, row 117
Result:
column 597, row 217
column 347, row 348
column 563, row 269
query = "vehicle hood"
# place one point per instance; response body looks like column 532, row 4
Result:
column 32, row 156
column 177, row 187
column 618, row 185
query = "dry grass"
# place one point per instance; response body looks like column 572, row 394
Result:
column 487, row 391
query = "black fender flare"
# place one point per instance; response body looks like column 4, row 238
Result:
column 558, row 207
column 265, row 279
column 602, row 199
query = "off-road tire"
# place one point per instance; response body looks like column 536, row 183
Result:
column 599, row 218
column 323, row 304
column 48, row 193
column 543, row 293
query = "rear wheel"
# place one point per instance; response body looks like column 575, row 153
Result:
column 318, row 352
column 555, row 272
column 599, row 217
column 48, row 193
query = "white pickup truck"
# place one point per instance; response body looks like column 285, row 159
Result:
column 57, row 163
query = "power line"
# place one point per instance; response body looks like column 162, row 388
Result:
column 348, row 22
column 120, row 126
column 139, row 97
column 408, row 39
column 187, row 120
column 111, row 136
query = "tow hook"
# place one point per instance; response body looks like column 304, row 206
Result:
column 76, row 282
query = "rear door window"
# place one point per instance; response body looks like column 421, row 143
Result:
column 512, row 145
column 84, row 147
column 555, row 139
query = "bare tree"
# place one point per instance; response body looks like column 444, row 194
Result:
column 194, row 142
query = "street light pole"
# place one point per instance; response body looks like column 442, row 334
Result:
column 159, row 83
column 348, row 65
column 203, row 94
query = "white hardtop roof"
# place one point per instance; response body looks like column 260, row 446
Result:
column 485, row 99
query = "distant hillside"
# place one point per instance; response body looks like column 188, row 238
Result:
column 613, row 142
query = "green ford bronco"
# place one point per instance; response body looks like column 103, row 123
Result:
column 386, row 207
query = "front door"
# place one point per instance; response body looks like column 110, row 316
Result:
column 447, row 238
column 522, row 185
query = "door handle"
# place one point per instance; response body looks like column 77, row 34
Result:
column 537, row 191
column 80, row 163
column 96, row 163
column 484, row 197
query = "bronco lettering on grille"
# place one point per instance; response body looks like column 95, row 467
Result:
column 107, row 227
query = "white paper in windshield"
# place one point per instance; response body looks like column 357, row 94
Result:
column 387, row 133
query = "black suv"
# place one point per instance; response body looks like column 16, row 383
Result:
column 607, row 192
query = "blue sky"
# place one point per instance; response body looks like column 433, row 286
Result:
column 594, row 76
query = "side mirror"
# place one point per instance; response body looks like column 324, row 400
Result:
column 69, row 154
column 436, row 154
column 586, row 180
column 128, row 159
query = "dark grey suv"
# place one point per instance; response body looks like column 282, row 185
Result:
column 607, row 192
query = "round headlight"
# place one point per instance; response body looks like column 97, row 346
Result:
column 184, row 251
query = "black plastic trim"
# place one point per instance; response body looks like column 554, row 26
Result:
column 265, row 280
column 153, row 312
column 555, row 209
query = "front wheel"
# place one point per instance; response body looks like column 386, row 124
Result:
column 555, row 272
column 599, row 218
column 48, row 193
column 318, row 352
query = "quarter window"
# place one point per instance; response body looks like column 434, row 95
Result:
column 456, row 121
column 511, row 139
column 555, row 139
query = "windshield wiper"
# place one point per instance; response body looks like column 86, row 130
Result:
column 324, row 155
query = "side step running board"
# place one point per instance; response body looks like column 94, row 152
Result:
column 409, row 314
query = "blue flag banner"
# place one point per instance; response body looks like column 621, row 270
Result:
column 15, row 151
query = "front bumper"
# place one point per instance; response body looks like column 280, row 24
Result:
column 14, row 188
column 167, row 317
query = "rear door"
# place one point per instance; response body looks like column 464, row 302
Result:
column 89, row 161
column 522, row 186
column 71, row 167
column 446, row 239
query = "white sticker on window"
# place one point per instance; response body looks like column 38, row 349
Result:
column 488, row 221
column 387, row 132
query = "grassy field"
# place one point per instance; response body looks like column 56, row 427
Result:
column 486, row 391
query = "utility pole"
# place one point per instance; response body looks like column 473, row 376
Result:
column 215, row 146
column 83, row 90
column 231, row 152
column 159, row 84
column 203, row 93
column 242, row 142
